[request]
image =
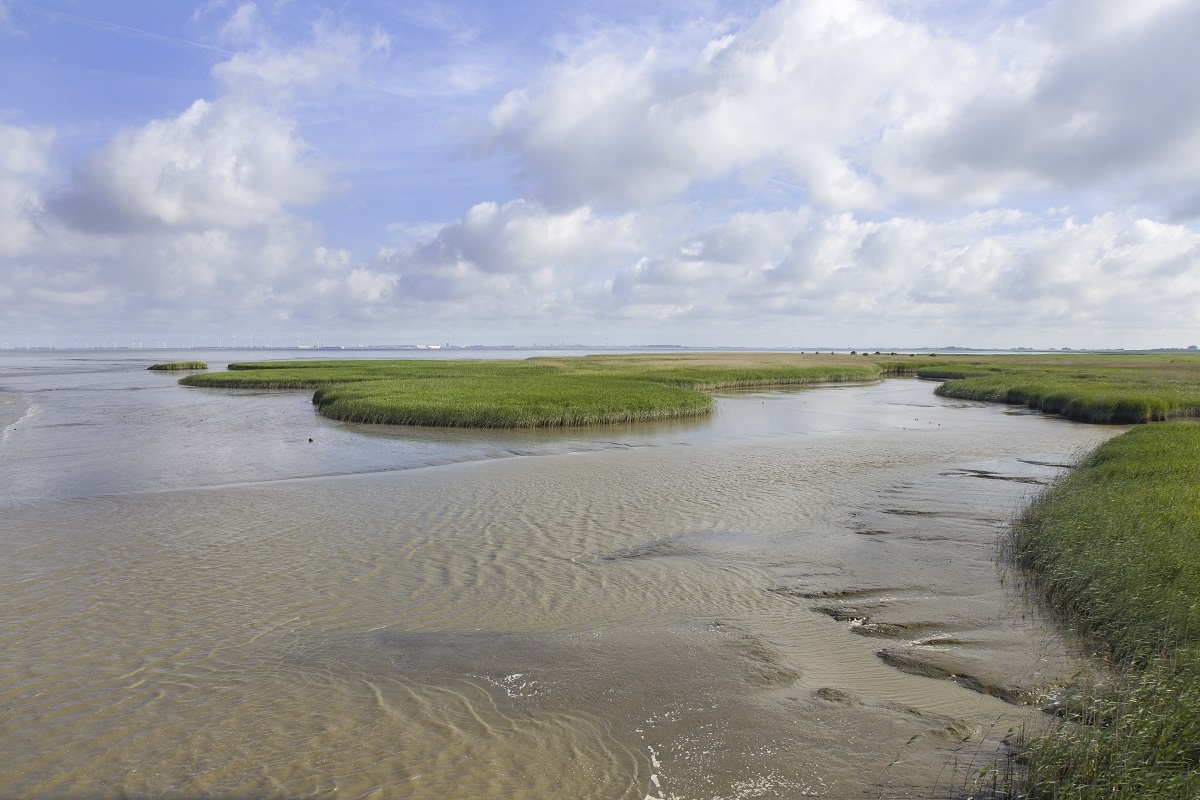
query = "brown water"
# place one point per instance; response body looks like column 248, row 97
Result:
column 797, row 597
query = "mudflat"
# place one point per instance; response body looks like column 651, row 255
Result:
column 796, row 596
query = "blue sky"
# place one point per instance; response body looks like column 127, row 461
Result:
column 858, row 173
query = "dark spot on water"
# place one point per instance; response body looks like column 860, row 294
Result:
column 1046, row 464
column 982, row 473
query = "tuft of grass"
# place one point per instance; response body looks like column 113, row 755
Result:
column 180, row 365
column 542, row 392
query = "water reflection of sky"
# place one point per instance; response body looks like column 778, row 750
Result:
column 83, row 424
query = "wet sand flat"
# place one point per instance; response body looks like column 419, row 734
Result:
column 800, row 597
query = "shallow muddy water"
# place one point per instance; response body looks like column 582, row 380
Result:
column 799, row 596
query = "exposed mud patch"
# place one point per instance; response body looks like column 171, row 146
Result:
column 995, row 476
column 839, row 594
column 941, row 640
column 948, row 666
column 846, row 613
column 895, row 629
column 1051, row 464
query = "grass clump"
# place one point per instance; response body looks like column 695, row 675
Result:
column 543, row 392
column 180, row 365
column 1115, row 547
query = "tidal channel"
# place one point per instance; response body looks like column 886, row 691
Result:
column 209, row 593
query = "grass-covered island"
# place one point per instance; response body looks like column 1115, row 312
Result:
column 540, row 392
column 179, row 365
column 591, row 390
column 1114, row 546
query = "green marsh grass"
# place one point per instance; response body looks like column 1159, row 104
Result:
column 1116, row 544
column 1088, row 388
column 180, row 365
column 542, row 392
column 1115, row 548
column 484, row 402
column 1119, row 389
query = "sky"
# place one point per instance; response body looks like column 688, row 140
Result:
column 803, row 173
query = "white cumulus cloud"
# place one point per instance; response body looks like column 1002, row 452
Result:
column 220, row 163
column 805, row 91
column 517, row 260
column 1109, row 110
column 867, row 109
column 24, row 164
column 811, row 172
column 986, row 275
column 188, row 218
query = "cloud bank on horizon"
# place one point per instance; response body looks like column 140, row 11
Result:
column 799, row 173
